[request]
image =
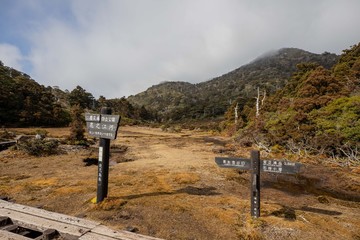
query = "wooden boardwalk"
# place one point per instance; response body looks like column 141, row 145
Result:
column 19, row 222
column 5, row 145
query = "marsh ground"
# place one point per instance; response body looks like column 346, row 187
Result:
column 167, row 185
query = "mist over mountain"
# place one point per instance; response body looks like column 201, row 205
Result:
column 268, row 72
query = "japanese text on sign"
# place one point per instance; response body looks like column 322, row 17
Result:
column 233, row 163
column 273, row 166
column 92, row 117
column 101, row 126
column 110, row 118
column 107, row 135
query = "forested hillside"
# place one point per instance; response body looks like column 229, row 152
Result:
column 210, row 99
column 25, row 103
column 318, row 111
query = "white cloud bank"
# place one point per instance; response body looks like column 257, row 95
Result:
column 118, row 48
column 11, row 56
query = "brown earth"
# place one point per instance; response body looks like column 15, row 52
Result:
column 167, row 185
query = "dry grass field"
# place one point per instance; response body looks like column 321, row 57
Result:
column 167, row 185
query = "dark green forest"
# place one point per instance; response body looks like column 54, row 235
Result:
column 290, row 100
column 25, row 103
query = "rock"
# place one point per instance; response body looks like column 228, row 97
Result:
column 218, row 149
column 131, row 229
column 4, row 198
column 323, row 199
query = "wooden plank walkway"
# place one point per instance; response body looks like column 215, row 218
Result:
column 66, row 226
column 5, row 145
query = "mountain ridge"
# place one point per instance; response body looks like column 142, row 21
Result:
column 270, row 72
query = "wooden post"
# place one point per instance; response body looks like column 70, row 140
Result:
column 103, row 165
column 255, row 183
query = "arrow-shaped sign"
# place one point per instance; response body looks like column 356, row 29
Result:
column 239, row 163
column 274, row 166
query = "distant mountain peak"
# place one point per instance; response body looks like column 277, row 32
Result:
column 279, row 52
column 270, row 71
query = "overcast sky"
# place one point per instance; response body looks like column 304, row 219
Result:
column 119, row 48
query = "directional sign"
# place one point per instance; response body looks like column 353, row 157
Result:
column 102, row 125
column 276, row 166
column 256, row 165
column 239, row 163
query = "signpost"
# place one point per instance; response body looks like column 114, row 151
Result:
column 255, row 183
column 104, row 126
column 256, row 165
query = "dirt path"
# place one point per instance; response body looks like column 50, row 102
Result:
column 167, row 185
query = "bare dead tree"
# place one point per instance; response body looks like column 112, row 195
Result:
column 351, row 152
column 258, row 105
column 263, row 99
column 236, row 113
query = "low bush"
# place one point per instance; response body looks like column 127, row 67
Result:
column 5, row 135
column 39, row 147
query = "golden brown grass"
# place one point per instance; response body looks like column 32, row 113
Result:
column 52, row 132
column 174, row 190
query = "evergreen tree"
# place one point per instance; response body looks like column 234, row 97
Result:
column 77, row 129
column 80, row 96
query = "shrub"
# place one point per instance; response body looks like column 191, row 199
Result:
column 177, row 129
column 165, row 127
column 5, row 135
column 39, row 147
column 77, row 129
column 42, row 132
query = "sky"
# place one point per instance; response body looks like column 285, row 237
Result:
column 116, row 48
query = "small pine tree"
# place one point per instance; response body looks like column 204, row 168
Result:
column 77, row 128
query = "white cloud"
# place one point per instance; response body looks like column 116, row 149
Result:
column 11, row 56
column 117, row 48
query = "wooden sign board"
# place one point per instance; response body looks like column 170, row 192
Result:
column 239, row 163
column 273, row 166
column 102, row 125
column 276, row 166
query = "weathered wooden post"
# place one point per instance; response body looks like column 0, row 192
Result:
column 255, row 183
column 103, row 164
column 104, row 126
